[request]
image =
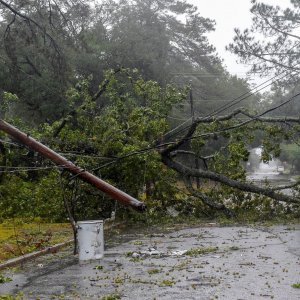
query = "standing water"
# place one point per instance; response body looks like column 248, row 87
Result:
column 259, row 171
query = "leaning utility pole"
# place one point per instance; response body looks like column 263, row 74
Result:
column 72, row 168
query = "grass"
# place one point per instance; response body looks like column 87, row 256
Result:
column 167, row 283
column 111, row 297
column 11, row 297
column 153, row 271
column 234, row 248
column 201, row 251
column 4, row 279
column 296, row 285
column 18, row 237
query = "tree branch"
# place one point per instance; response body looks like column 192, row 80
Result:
column 73, row 113
column 207, row 200
column 172, row 146
column 191, row 153
column 31, row 21
column 104, row 85
column 243, row 186
column 279, row 30
column 31, row 64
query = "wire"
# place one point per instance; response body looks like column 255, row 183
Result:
column 247, row 95
column 84, row 155
column 221, row 109
column 295, row 45
column 174, row 118
column 27, row 169
column 243, row 123
column 10, row 143
column 62, row 152
column 244, row 95
column 194, row 137
column 237, row 100
column 18, row 169
column 8, row 167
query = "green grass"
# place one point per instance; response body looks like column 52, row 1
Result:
column 111, row 297
column 201, row 251
column 18, row 237
column 167, row 283
column 11, row 297
column 4, row 279
column 153, row 271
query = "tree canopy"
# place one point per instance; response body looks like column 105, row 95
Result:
column 272, row 42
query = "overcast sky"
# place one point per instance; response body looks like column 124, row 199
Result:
column 229, row 14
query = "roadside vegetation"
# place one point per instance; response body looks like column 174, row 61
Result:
column 19, row 237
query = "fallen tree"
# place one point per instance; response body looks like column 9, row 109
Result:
column 171, row 150
column 134, row 144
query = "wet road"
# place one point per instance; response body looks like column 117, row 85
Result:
column 222, row 263
column 274, row 179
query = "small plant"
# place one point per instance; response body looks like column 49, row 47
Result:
column 234, row 248
column 129, row 254
column 118, row 280
column 7, row 297
column 290, row 228
column 153, row 271
column 296, row 285
column 111, row 297
column 138, row 243
column 135, row 259
column 4, row 279
column 200, row 251
column 11, row 297
column 167, row 283
column 99, row 267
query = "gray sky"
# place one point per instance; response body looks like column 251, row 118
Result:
column 229, row 14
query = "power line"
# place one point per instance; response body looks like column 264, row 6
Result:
column 245, row 95
column 11, row 143
column 27, row 169
column 70, row 153
column 175, row 118
column 149, row 148
column 271, row 79
column 85, row 155
column 239, row 99
column 141, row 151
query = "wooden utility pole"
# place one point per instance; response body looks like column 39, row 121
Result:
column 192, row 104
column 67, row 165
column 193, row 118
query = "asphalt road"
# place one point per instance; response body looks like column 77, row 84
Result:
column 237, row 262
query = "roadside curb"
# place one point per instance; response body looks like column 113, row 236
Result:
column 26, row 257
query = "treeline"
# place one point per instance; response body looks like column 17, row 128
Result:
column 51, row 45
